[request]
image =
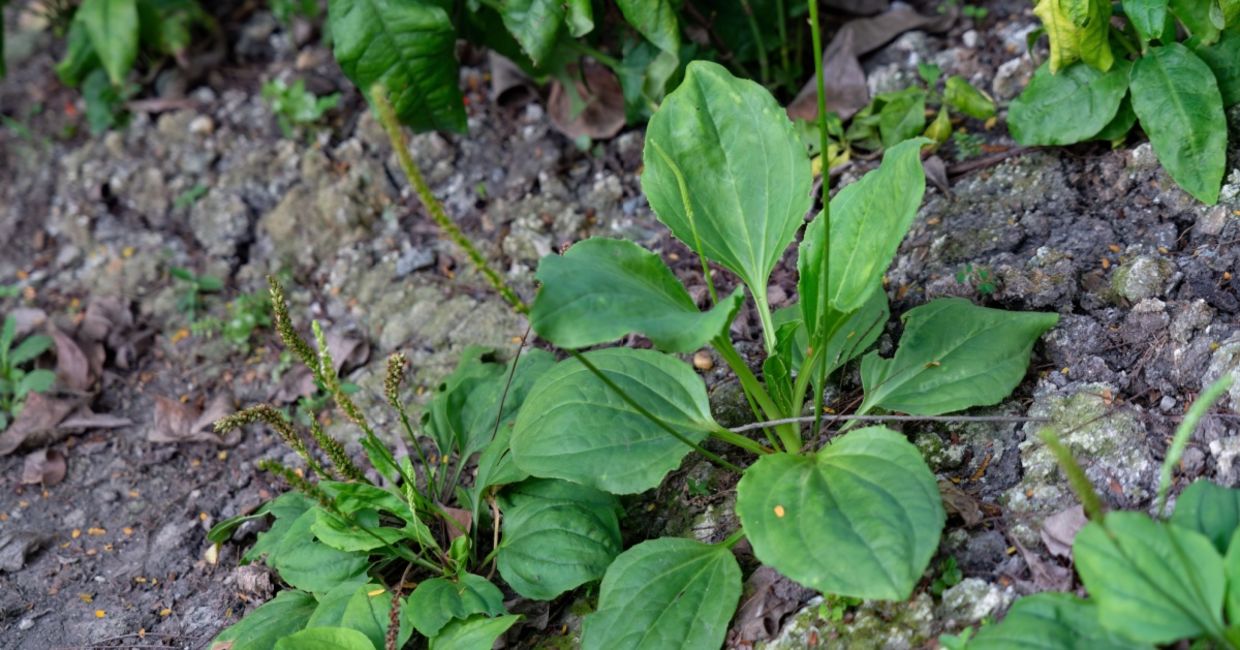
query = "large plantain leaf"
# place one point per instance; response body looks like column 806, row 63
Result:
column 953, row 355
column 1069, row 107
column 112, row 26
column 325, row 638
column 1079, row 30
column 437, row 601
column 410, row 48
column 1224, row 60
column 1211, row 510
column 262, row 628
column 665, row 593
column 311, row 565
column 1177, row 100
column 369, row 611
column 474, row 633
column 725, row 170
column 868, row 222
column 1153, row 582
column 603, row 289
column 557, row 536
column 1051, row 621
column 860, row 518
column 574, row 427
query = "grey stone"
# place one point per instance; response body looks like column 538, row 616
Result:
column 1140, row 278
column 972, row 600
column 874, row 625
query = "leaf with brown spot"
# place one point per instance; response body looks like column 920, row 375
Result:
column 45, row 466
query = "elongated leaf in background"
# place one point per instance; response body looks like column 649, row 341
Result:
column 1231, row 563
column 1153, row 582
column 1212, row 510
column 665, row 593
column 272, row 621
column 953, row 355
column 1051, row 621
column 962, row 96
column 557, row 536
column 80, row 57
column 1078, row 31
column 1195, row 15
column 574, row 427
column 579, row 17
column 656, row 21
column 1148, row 17
column 112, row 26
column 535, row 24
column 410, row 48
column 868, row 222
column 603, row 289
column 473, row 633
column 861, row 518
column 1069, row 107
column 437, row 601
column 1177, row 100
column 725, row 170
column 903, row 115
column 1224, row 60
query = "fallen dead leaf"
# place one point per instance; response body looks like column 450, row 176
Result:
column 1047, row 576
column 1059, row 530
column 347, row 353
column 936, row 173
column 38, row 423
column 768, row 598
column 959, row 502
column 595, row 106
column 44, row 466
column 16, row 546
column 177, row 422
column 463, row 520
column 72, row 367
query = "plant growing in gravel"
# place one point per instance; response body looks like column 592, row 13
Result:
column 296, row 106
column 1177, row 89
column 192, row 288
column 1151, row 581
column 17, row 382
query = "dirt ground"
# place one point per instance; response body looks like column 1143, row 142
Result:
column 115, row 555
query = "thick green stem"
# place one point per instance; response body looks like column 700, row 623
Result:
column 764, row 315
column 387, row 117
column 760, row 402
column 737, row 440
column 822, row 336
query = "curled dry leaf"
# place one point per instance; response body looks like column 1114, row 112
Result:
column 177, row 422
column 45, row 466
column 1059, row 530
column 768, row 598
column 73, row 368
column 16, row 546
column 596, row 110
column 109, row 322
column 936, row 173
column 464, row 520
column 38, row 423
column 961, row 503
column 510, row 85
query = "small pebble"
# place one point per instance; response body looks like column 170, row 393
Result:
column 703, row 361
column 202, row 125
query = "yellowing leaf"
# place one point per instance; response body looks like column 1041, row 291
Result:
column 1078, row 31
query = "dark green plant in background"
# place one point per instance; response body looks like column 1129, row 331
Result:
column 1101, row 80
column 16, row 380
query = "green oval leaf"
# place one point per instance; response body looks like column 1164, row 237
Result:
column 410, row 48
column 868, row 222
column 330, row 611
column 369, row 610
column 476, row 633
column 325, row 638
column 962, row 96
column 574, row 427
column 1148, row 17
column 311, row 565
column 726, row 172
column 272, row 621
column 1069, row 107
column 1177, row 100
column 557, row 536
column 1051, row 621
column 112, row 26
column 535, row 24
column 1224, row 60
column 953, row 355
column 437, row 601
column 1211, row 510
column 603, row 289
column 1153, row 582
column 665, row 593
column 861, row 518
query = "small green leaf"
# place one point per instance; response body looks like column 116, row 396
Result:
column 285, row 509
column 665, row 593
column 410, row 48
column 1051, row 621
column 369, row 611
column 264, row 627
column 1195, row 15
column 868, row 497
column 437, row 601
column 310, row 565
column 656, row 21
column 953, row 355
column 902, row 116
column 35, row 381
column 1231, row 563
column 330, row 612
column 962, row 96
column 112, row 26
column 1148, row 17
column 603, row 289
column 579, row 18
column 727, row 173
column 1069, row 107
column 1079, row 33
column 1211, row 510
column 326, row 638
column 474, row 633
column 1224, row 60
column 1177, row 99
column 557, row 536
column 30, row 348
column 868, row 222
column 535, row 24
column 574, row 427
column 1153, row 582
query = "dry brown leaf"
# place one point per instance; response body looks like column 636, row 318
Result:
column 597, row 109
column 38, row 423
column 45, row 466
column 1059, row 530
column 298, row 382
column 936, row 173
column 16, row 546
column 509, row 83
column 72, row 366
column 1046, row 576
column 463, row 518
column 84, row 418
column 768, row 598
column 177, row 422
column 959, row 502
